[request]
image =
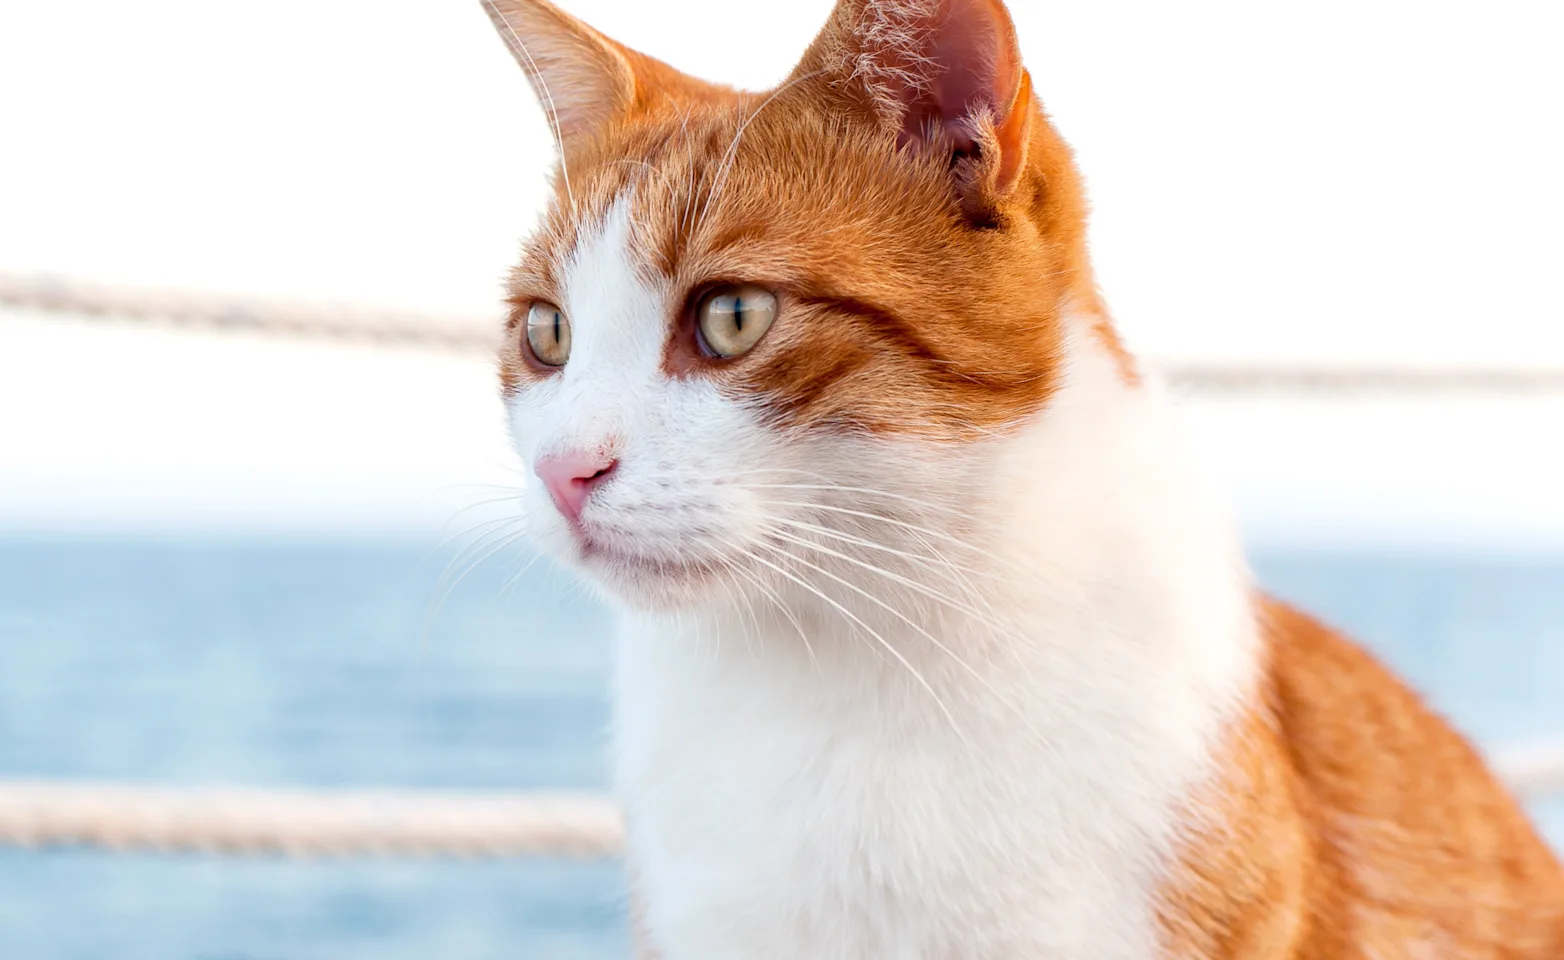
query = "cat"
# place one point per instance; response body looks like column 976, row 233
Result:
column 934, row 644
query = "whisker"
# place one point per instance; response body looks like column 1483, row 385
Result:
column 689, row 194
column 553, row 113
column 720, row 179
column 894, row 577
column 508, row 588
column 946, row 508
column 959, row 575
column 901, row 524
column 488, row 528
column 935, row 556
column 510, row 496
column 940, row 645
column 854, row 618
column 770, row 595
column 733, row 591
column 507, row 538
column 937, row 560
column 445, row 542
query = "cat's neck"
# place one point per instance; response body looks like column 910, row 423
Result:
column 1127, row 652
column 1105, row 567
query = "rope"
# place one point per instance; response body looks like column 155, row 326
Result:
column 316, row 824
column 310, row 824
column 1533, row 772
column 1345, row 380
column 125, row 818
column 478, row 333
column 48, row 294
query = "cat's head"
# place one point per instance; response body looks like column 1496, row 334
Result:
column 761, row 337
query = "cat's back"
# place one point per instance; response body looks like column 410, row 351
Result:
column 1356, row 823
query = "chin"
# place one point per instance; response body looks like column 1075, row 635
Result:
column 659, row 582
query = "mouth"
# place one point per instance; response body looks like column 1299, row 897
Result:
column 643, row 567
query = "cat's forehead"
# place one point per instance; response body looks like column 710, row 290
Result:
column 749, row 189
column 652, row 158
column 896, row 315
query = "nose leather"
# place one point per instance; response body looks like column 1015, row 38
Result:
column 570, row 478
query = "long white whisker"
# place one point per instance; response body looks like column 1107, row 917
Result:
column 785, row 610
column 505, row 541
column 490, row 528
column 933, row 558
column 721, row 178
column 940, row 645
column 508, row 588
column 928, row 505
column 447, row 541
column 903, row 524
column 959, row 575
column 511, row 496
column 770, row 595
column 894, row 577
column 843, row 581
column 886, row 644
column 689, row 194
column 732, row 591
column 936, row 560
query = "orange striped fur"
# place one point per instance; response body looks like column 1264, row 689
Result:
column 1350, row 821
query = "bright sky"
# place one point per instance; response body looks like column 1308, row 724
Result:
column 1342, row 180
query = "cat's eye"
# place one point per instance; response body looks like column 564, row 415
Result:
column 548, row 334
column 732, row 318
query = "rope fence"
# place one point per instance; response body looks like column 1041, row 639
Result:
column 472, row 333
column 321, row 824
column 181, row 309
column 121, row 817
column 124, row 818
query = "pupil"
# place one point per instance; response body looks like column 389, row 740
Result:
column 738, row 313
column 556, row 327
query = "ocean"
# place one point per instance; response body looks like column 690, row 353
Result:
column 352, row 665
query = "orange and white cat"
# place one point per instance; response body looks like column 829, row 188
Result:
column 934, row 645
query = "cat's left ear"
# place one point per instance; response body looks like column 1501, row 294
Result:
column 941, row 74
column 584, row 80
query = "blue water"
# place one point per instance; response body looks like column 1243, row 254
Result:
column 336, row 665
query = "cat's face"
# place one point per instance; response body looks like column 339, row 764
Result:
column 760, row 338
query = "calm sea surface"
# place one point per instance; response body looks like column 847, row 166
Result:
column 337, row 665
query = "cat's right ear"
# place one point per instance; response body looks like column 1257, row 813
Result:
column 939, row 74
column 583, row 79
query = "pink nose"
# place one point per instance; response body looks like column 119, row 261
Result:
column 570, row 478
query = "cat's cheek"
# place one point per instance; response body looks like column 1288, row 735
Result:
column 525, row 416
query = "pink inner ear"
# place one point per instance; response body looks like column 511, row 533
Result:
column 973, row 65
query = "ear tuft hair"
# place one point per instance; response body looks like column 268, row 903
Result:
column 939, row 73
column 891, row 51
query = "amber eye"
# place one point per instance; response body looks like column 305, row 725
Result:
column 733, row 318
column 548, row 334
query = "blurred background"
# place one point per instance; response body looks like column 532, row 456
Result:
column 233, row 556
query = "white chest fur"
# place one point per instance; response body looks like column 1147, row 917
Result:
column 1002, row 794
